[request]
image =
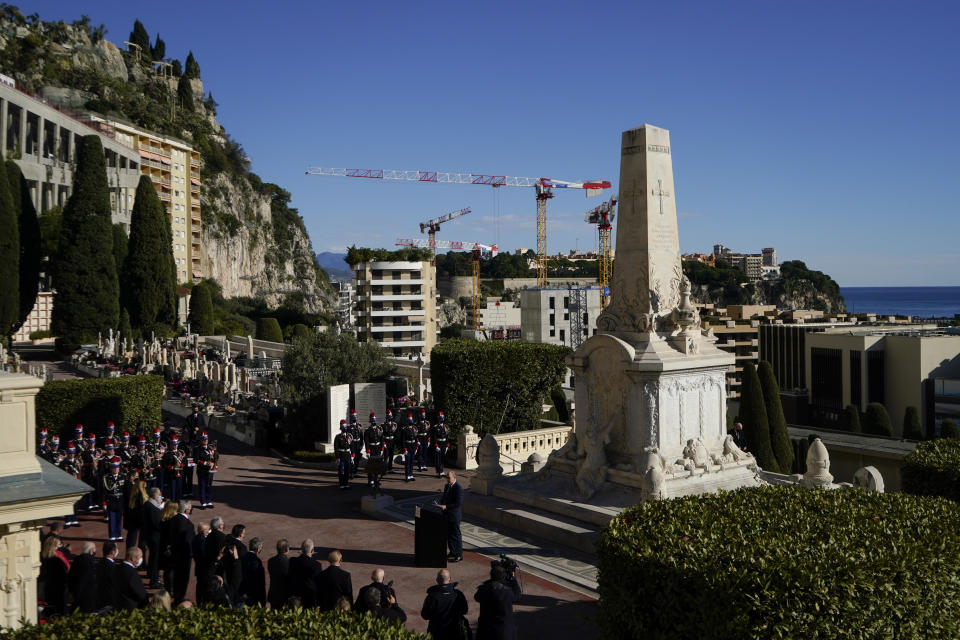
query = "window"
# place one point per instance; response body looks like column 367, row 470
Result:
column 875, row 373
column 566, row 302
column 552, row 302
column 826, row 368
column 552, row 320
column 563, row 336
column 856, row 382
column 553, row 332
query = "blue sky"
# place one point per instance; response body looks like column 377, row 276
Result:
column 825, row 129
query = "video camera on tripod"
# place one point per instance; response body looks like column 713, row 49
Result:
column 509, row 564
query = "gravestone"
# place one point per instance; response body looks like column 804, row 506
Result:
column 370, row 396
column 338, row 407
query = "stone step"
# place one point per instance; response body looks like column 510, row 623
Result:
column 585, row 514
column 538, row 523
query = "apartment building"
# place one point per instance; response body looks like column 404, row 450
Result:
column 546, row 315
column 174, row 168
column 396, row 305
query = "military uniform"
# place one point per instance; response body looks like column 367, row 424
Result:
column 356, row 432
column 439, row 439
column 173, row 461
column 410, row 446
column 373, row 442
column 205, row 456
column 389, row 437
column 114, row 489
column 71, row 465
column 90, row 472
column 343, row 449
column 423, row 438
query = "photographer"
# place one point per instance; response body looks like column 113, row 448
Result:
column 496, row 597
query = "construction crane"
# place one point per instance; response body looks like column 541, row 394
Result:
column 432, row 226
column 544, row 189
column 602, row 216
column 478, row 251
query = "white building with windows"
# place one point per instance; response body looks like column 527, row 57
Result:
column 396, row 305
column 545, row 315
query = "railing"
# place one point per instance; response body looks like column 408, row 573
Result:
column 516, row 446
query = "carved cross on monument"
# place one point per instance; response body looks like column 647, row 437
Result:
column 660, row 192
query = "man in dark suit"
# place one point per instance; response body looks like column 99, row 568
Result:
column 253, row 585
column 196, row 548
column 82, row 579
column 215, row 541
column 128, row 591
column 304, row 571
column 452, row 504
column 182, row 547
column 334, row 582
column 106, row 570
column 152, row 510
column 279, row 569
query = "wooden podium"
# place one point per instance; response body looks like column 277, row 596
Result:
column 430, row 537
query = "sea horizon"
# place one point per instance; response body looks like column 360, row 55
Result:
column 934, row 301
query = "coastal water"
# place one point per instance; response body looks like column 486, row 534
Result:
column 923, row 302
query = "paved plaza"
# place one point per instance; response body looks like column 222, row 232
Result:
column 275, row 499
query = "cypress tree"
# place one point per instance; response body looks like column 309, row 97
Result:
column 911, row 424
column 185, row 93
column 9, row 259
column 851, row 419
column 753, row 415
column 126, row 331
column 779, row 436
column 120, row 248
column 190, row 68
column 147, row 287
column 31, row 256
column 949, row 429
column 201, row 310
column 159, row 49
column 141, row 38
column 177, row 68
column 269, row 329
column 86, row 301
column 877, row 420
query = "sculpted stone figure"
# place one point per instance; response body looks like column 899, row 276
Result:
column 731, row 452
column 695, row 455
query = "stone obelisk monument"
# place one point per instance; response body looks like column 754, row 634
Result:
column 650, row 387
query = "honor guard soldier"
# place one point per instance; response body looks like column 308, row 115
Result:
column 125, row 451
column 343, row 448
column 71, row 465
column 189, row 465
column 373, row 442
column 90, row 458
column 142, row 461
column 113, row 487
column 439, row 434
column 356, row 432
column 389, row 436
column 110, row 431
column 78, row 442
column 206, row 457
column 173, row 469
column 408, row 436
column 54, row 455
column 103, row 470
column 423, row 438
column 43, row 448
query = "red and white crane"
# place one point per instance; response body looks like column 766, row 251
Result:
column 544, row 188
column 603, row 216
column 432, row 226
column 478, row 249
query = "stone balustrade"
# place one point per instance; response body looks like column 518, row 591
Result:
column 516, row 446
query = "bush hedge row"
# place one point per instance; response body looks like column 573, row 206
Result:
column 126, row 401
column 220, row 623
column 782, row 562
column 495, row 386
column 933, row 469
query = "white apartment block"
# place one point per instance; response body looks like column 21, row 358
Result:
column 396, row 305
column 545, row 315
column 38, row 318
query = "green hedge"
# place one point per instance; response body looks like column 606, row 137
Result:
column 933, row 469
column 314, row 456
column 94, row 402
column 219, row 623
column 478, row 383
column 782, row 562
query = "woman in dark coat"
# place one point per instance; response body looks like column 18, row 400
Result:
column 133, row 512
column 52, row 582
column 166, row 543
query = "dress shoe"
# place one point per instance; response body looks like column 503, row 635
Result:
column 457, row 559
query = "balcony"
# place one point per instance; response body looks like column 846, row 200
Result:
column 403, row 344
column 396, row 327
column 397, row 312
column 393, row 298
column 393, row 283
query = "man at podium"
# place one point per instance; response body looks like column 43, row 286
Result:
column 451, row 503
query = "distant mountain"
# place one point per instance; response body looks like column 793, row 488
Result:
column 333, row 263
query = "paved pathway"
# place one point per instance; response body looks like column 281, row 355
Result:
column 274, row 499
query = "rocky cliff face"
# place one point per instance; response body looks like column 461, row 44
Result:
column 791, row 295
column 253, row 243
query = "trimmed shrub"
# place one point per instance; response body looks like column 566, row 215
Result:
column 779, row 436
column 560, row 403
column 949, row 429
column 220, row 623
column 851, row 419
column 269, row 329
column 911, row 424
column 800, row 448
column 933, row 469
column 495, row 386
column 301, row 330
column 877, row 420
column 753, row 415
column 201, row 310
column 94, row 402
column 314, row 456
column 39, row 335
column 782, row 562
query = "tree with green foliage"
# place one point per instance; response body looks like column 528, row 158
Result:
column 9, row 259
column 185, row 93
column 949, row 429
column 779, row 436
column 121, row 246
column 31, row 256
column 753, row 415
column 850, row 420
column 269, row 329
column 176, row 68
column 149, row 286
column 191, row 69
column 911, row 424
column 159, row 49
column 86, row 301
column 124, row 327
column 141, row 38
column 201, row 310
column 877, row 420
column 301, row 331
column 50, row 223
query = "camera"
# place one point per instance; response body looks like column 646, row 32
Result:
column 509, row 564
